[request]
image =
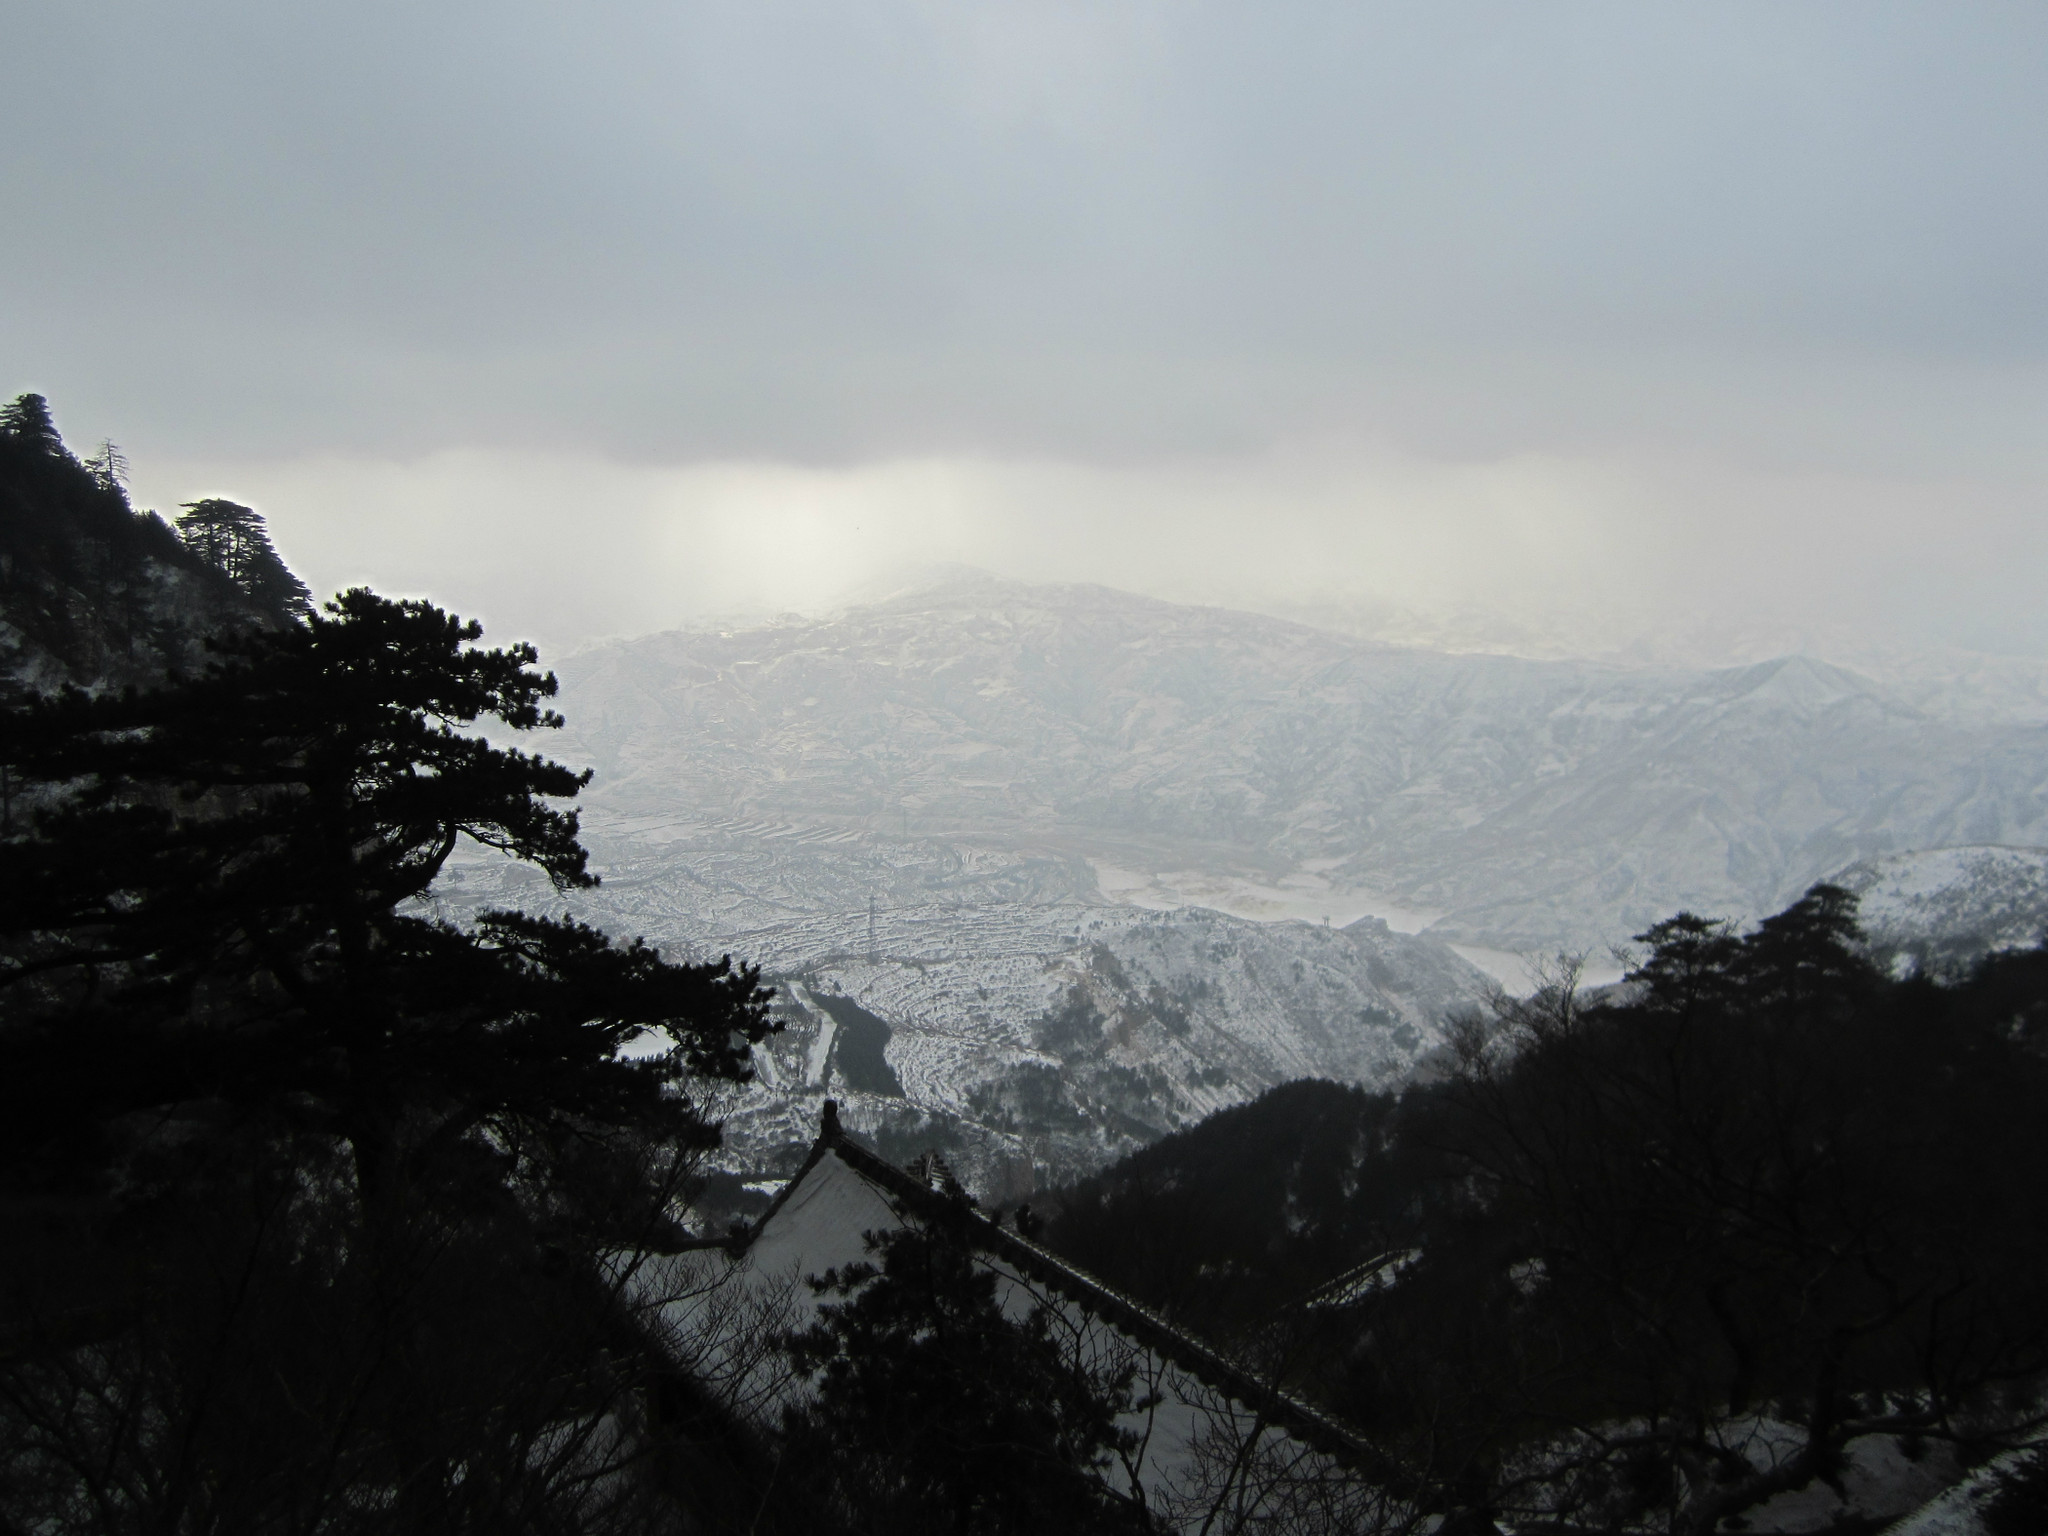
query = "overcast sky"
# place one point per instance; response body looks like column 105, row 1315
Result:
column 597, row 318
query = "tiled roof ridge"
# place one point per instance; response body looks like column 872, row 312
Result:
column 1201, row 1360
column 1344, row 1288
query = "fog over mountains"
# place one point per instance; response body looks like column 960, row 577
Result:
column 1007, row 849
column 1524, row 804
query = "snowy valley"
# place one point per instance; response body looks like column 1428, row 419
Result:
column 1044, row 872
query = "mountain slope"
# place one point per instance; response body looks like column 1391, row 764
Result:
column 1532, row 804
column 909, row 813
column 1943, row 906
column 1034, row 1040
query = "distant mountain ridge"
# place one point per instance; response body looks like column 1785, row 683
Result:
column 1534, row 804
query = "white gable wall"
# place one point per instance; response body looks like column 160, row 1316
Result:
column 1205, row 1461
column 820, row 1224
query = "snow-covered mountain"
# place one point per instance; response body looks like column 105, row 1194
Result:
column 1525, row 805
column 1031, row 1039
column 1947, row 905
column 1051, row 1040
column 976, row 834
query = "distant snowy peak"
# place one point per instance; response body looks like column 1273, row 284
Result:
column 1805, row 683
column 1952, row 904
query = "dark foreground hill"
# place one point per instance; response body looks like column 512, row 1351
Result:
column 1763, row 1219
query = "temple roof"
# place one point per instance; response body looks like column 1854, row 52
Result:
column 928, row 1191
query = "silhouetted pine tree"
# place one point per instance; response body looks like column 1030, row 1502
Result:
column 217, row 876
column 936, row 1412
column 232, row 538
column 108, row 466
column 27, row 419
column 339, row 1202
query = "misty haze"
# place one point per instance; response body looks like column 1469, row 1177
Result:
column 1024, row 768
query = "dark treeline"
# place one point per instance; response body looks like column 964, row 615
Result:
column 1760, row 1180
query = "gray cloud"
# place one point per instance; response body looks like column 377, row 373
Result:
column 1799, row 247
column 821, row 229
